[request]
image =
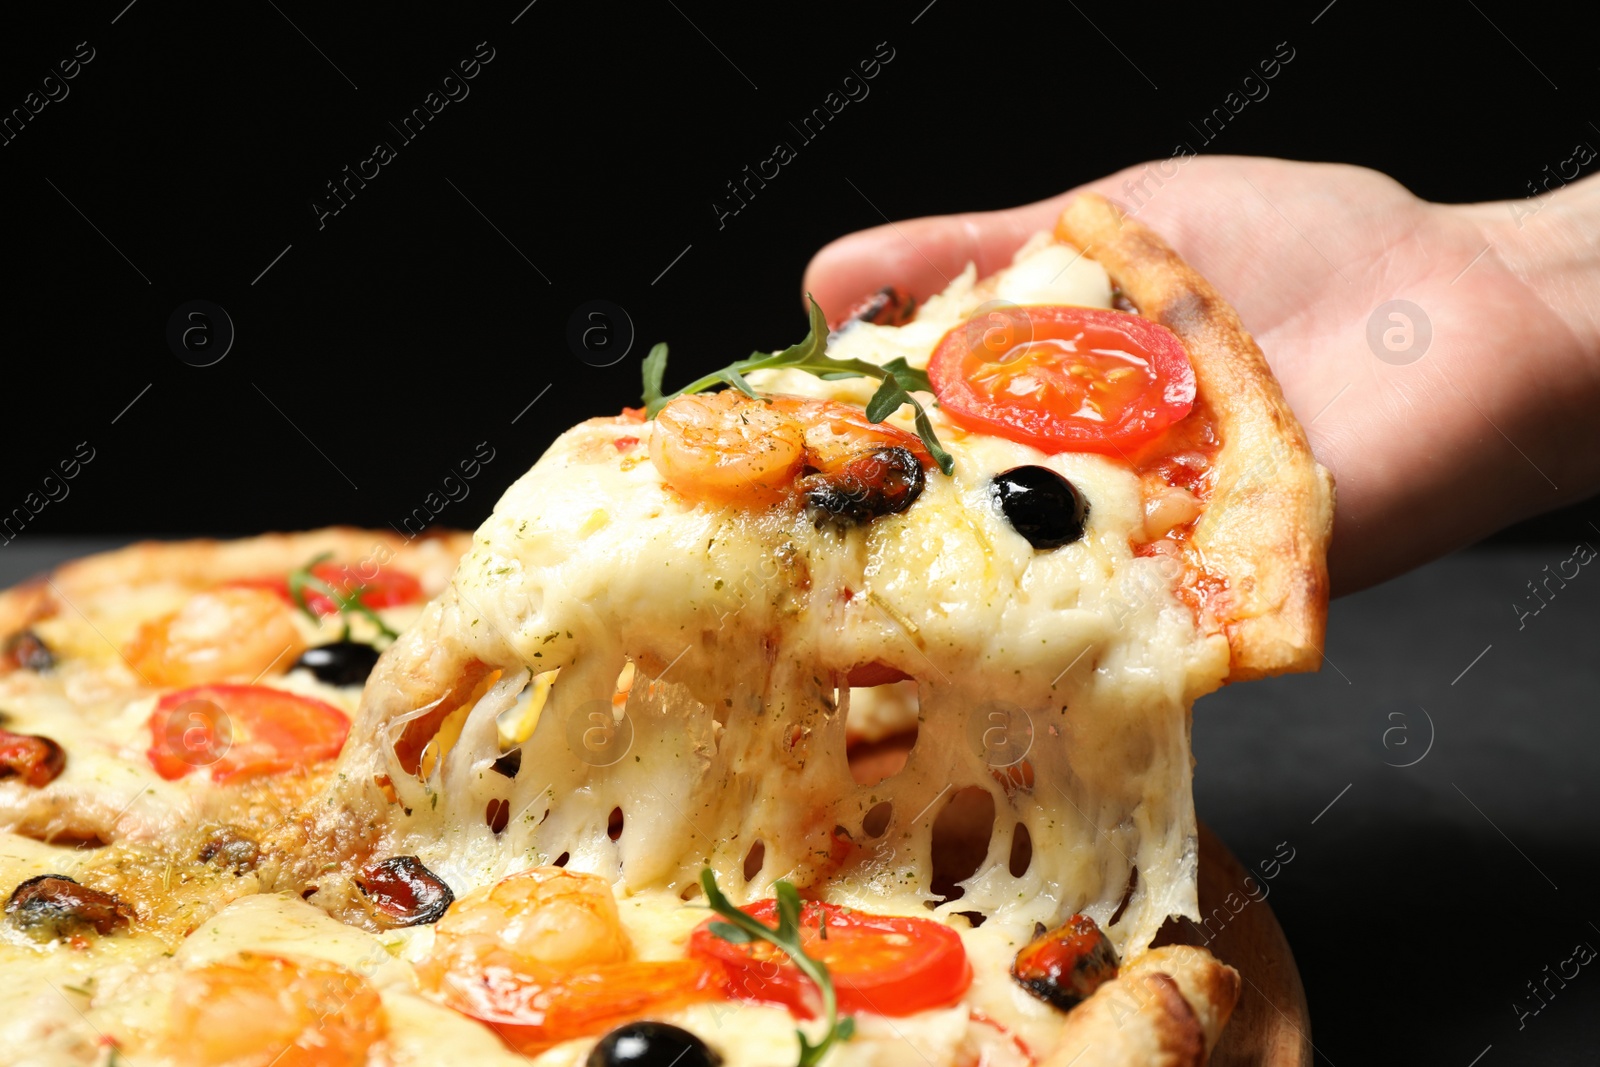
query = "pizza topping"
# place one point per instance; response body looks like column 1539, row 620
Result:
column 241, row 731
column 886, row 307
column 1041, row 505
column 261, row 1009
column 230, row 849
column 884, row 481
column 897, row 381
column 340, row 662
column 775, row 964
column 28, row 651
column 543, row 957
column 1063, row 379
column 726, row 448
column 1063, row 966
column 538, row 918
column 651, row 1044
column 53, row 906
column 402, row 892
column 35, row 759
column 852, row 961
column 324, row 588
column 532, row 1009
column 221, row 633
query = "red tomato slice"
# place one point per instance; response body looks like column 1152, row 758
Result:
column 241, row 731
column 379, row 589
column 530, row 1014
column 884, row 964
column 1063, row 379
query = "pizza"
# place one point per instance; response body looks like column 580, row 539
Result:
column 833, row 708
column 161, row 707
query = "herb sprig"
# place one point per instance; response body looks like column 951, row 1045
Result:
column 810, row 355
column 348, row 603
column 742, row 929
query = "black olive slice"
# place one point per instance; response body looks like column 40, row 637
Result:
column 339, row 663
column 652, row 1044
column 880, row 481
column 28, row 651
column 231, row 849
column 886, row 307
column 1041, row 505
column 402, row 892
column 53, row 906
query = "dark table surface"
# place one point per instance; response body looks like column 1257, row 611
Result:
column 1438, row 787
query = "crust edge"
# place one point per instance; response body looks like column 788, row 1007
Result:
column 208, row 561
column 1271, row 512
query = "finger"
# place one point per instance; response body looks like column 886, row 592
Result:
column 922, row 256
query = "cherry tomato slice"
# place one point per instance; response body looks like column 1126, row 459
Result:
column 381, row 589
column 1063, row 379
column 884, row 964
column 241, row 731
column 532, row 1013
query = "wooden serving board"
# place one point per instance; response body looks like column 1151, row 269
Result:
column 1271, row 1026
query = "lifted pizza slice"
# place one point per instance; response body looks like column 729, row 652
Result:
column 643, row 670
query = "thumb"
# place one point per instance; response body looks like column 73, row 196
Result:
column 922, row 256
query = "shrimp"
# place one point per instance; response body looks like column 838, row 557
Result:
column 544, row 918
column 218, row 634
column 730, row 449
column 254, row 1010
column 542, row 957
column 727, row 448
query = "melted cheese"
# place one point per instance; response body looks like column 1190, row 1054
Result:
column 59, row 1004
column 701, row 658
column 1078, row 662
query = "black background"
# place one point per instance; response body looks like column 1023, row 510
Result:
column 379, row 350
column 413, row 324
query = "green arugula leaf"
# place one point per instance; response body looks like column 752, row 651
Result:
column 655, row 369
column 741, row 929
column 731, row 934
column 887, row 400
column 348, row 603
column 810, row 355
column 908, row 377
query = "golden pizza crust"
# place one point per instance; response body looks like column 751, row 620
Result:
column 1165, row 1009
column 1270, row 516
column 1210, row 987
column 205, row 562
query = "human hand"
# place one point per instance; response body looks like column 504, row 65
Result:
column 1494, row 421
